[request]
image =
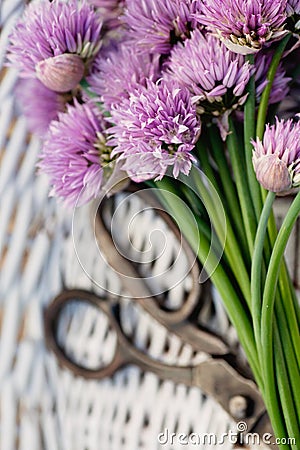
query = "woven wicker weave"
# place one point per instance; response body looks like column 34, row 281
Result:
column 41, row 405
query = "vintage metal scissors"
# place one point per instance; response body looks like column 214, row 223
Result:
column 238, row 395
column 220, row 375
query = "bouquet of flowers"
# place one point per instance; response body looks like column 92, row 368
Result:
column 185, row 96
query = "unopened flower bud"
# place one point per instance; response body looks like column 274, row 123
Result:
column 272, row 173
column 60, row 73
column 276, row 158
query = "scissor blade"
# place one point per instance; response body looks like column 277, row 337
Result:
column 238, row 395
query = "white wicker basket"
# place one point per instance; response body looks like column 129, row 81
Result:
column 41, row 405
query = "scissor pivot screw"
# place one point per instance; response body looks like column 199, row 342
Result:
column 238, row 406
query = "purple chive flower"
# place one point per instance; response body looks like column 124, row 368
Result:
column 244, row 26
column 293, row 7
column 280, row 87
column 216, row 77
column 155, row 128
column 75, row 156
column 276, row 159
column 110, row 11
column 158, row 25
column 48, row 30
column 39, row 104
column 121, row 71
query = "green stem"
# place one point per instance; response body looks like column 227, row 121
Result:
column 290, row 303
column 283, row 324
column 264, row 102
column 238, row 167
column 232, row 249
column 228, row 186
column 290, row 308
column 204, row 229
column 285, row 285
column 233, row 305
column 290, row 358
column 194, row 203
column 249, row 134
column 294, row 298
column 268, row 308
column 256, row 268
column 193, row 200
column 286, row 396
column 205, row 165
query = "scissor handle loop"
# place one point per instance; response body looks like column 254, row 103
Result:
column 51, row 315
column 125, row 352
